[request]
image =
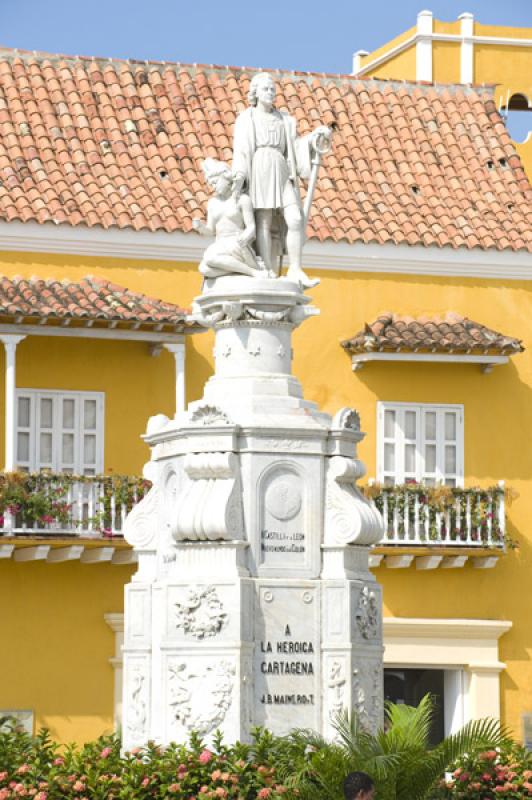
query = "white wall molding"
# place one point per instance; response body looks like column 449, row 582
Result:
column 116, row 623
column 471, row 645
column 467, row 67
column 405, row 627
column 115, row 334
column 178, row 351
column 10, row 343
column 181, row 247
column 424, row 46
column 35, row 237
column 485, row 361
column 506, row 41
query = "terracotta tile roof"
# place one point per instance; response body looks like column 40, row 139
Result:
column 448, row 334
column 90, row 299
column 101, row 142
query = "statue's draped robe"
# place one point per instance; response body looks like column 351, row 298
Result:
column 297, row 150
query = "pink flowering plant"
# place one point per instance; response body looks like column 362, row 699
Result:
column 502, row 772
column 299, row 766
column 39, row 769
column 32, row 499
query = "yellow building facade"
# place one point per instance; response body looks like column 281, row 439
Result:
column 455, row 608
column 463, row 51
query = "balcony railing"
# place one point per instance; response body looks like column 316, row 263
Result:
column 94, row 507
column 417, row 515
column 64, row 505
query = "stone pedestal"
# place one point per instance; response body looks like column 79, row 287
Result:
column 253, row 603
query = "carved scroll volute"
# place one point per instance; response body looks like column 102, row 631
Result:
column 141, row 525
column 349, row 517
column 209, row 506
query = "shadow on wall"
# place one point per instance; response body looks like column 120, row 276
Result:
column 198, row 368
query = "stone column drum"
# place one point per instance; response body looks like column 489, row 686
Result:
column 253, row 603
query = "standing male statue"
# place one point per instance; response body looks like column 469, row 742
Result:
column 268, row 160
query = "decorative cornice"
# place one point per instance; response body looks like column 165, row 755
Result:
column 405, row 628
column 486, row 362
column 439, row 37
column 115, row 622
column 33, row 237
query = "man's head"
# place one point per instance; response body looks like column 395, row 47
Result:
column 358, row 786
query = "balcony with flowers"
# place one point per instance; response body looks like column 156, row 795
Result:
column 441, row 526
column 61, row 517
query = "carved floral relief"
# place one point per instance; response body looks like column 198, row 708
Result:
column 367, row 613
column 201, row 695
column 201, row 613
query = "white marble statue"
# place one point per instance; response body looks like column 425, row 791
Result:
column 230, row 219
column 268, row 160
column 253, row 603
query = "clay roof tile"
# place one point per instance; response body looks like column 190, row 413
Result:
column 77, row 134
column 91, row 298
column 452, row 333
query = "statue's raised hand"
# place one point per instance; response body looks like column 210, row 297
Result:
column 200, row 227
column 321, row 139
column 238, row 185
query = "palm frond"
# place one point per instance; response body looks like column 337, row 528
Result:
column 474, row 737
column 409, row 726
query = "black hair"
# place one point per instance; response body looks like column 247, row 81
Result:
column 355, row 783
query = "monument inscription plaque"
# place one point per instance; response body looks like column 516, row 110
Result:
column 286, row 666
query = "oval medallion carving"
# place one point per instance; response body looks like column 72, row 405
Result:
column 283, row 497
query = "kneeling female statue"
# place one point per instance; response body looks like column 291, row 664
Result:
column 230, row 219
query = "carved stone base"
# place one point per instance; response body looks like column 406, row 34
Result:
column 207, row 560
column 253, row 604
column 344, row 562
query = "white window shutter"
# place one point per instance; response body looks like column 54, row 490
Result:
column 420, row 442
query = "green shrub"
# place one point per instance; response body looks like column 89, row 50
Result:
column 300, row 766
column 37, row 768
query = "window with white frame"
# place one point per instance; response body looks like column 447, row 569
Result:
column 59, row 431
column 422, row 443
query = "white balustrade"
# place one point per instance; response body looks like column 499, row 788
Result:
column 96, row 508
column 474, row 518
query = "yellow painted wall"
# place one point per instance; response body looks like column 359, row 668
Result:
column 498, row 421
column 446, row 62
column 507, row 66
column 56, row 645
column 402, row 65
column 502, row 30
column 380, row 51
column 148, row 383
column 440, row 26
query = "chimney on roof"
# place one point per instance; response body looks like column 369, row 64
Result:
column 357, row 60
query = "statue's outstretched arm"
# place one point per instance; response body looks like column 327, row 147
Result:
column 203, row 229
